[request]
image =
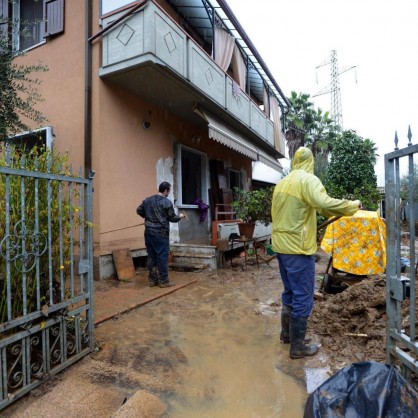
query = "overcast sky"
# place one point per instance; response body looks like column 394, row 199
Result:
column 379, row 37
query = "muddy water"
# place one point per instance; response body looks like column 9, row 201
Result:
column 209, row 350
column 232, row 369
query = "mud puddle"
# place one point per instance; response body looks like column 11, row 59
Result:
column 209, row 350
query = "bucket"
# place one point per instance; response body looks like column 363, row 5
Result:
column 269, row 250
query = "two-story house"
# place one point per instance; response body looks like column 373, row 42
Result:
column 148, row 91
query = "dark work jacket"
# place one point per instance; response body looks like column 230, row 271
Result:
column 158, row 212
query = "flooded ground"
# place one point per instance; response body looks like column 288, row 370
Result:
column 210, row 350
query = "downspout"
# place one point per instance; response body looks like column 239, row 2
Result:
column 87, row 91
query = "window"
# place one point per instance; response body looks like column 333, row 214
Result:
column 42, row 137
column 110, row 5
column 31, row 21
column 29, row 15
column 234, row 179
column 191, row 179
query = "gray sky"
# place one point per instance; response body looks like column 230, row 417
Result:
column 379, row 37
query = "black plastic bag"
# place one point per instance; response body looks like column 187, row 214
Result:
column 364, row 390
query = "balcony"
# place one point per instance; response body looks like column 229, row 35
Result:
column 150, row 55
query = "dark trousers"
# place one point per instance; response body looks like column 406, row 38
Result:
column 158, row 248
column 298, row 276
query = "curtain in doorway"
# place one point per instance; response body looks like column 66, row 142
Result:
column 266, row 101
column 239, row 68
column 275, row 113
column 224, row 47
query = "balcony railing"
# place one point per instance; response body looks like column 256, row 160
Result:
column 151, row 36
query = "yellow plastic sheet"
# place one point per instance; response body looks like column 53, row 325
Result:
column 357, row 243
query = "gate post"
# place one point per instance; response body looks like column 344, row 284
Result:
column 89, row 251
column 401, row 345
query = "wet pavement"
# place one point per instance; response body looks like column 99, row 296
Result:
column 209, row 348
column 113, row 297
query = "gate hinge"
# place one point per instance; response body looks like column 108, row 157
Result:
column 399, row 288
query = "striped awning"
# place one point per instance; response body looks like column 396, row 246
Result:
column 270, row 161
column 228, row 136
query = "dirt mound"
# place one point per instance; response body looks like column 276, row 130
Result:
column 352, row 324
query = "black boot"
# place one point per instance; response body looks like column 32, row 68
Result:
column 298, row 349
column 285, row 319
column 153, row 277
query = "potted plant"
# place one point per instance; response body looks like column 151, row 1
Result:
column 252, row 206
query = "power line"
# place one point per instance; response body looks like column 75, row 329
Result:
column 334, row 87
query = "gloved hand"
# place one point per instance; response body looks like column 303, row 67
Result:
column 360, row 205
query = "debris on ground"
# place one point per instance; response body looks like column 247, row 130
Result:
column 352, row 324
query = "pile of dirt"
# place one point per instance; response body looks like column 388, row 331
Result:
column 352, row 324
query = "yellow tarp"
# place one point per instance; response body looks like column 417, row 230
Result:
column 357, row 243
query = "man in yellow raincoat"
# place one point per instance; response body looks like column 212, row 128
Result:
column 296, row 199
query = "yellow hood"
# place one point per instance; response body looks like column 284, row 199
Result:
column 303, row 160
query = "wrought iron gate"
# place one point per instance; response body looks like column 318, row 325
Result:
column 46, row 272
column 401, row 298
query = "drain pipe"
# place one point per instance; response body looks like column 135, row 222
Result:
column 87, row 91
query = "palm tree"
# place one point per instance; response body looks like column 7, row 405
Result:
column 371, row 147
column 310, row 127
column 299, row 118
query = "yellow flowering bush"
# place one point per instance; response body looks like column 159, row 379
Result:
column 29, row 231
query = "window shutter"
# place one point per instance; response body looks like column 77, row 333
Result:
column 54, row 17
column 4, row 17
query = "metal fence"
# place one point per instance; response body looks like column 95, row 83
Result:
column 46, row 271
column 401, row 299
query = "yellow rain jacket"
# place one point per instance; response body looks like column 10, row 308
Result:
column 296, row 199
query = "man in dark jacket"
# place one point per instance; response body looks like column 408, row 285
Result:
column 158, row 212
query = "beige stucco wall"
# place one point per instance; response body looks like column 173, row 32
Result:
column 62, row 87
column 133, row 161
column 129, row 161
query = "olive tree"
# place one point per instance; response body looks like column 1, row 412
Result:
column 18, row 88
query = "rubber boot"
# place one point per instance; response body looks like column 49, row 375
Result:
column 298, row 348
column 285, row 319
column 153, row 277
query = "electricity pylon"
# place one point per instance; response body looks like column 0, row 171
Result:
column 334, row 87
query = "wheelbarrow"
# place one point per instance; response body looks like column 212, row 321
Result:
column 336, row 281
column 357, row 250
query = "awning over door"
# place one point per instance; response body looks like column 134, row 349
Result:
column 231, row 138
column 270, row 161
column 228, row 136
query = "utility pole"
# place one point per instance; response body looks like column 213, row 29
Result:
column 334, row 87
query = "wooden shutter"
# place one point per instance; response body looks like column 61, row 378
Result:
column 54, row 17
column 4, row 16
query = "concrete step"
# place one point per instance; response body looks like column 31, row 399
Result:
column 194, row 257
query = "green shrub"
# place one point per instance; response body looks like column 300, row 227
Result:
column 253, row 205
